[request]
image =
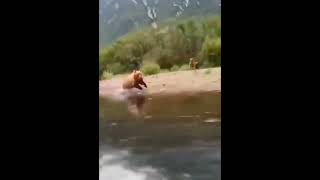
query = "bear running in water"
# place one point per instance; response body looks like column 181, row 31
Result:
column 134, row 80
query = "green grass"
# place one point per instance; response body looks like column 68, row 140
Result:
column 174, row 68
column 150, row 69
column 106, row 75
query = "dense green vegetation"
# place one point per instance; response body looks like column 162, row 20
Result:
column 168, row 47
column 150, row 68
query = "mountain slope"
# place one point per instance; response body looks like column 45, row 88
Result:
column 118, row 17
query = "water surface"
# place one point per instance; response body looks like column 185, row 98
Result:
column 160, row 138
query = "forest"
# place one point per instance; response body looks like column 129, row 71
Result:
column 166, row 48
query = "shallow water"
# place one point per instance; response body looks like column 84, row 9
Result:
column 157, row 138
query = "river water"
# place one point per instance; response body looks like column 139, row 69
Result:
column 160, row 138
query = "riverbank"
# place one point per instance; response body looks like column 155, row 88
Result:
column 190, row 82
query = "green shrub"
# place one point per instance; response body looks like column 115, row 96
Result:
column 150, row 68
column 116, row 68
column 169, row 47
column 106, row 75
column 184, row 67
column 174, row 68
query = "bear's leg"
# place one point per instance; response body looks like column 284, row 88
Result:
column 137, row 86
column 143, row 83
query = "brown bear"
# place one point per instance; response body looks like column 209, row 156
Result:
column 193, row 63
column 134, row 80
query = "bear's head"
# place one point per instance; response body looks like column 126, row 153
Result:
column 138, row 78
column 137, row 75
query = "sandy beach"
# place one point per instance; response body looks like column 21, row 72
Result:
column 190, row 82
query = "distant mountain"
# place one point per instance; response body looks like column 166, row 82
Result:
column 118, row 17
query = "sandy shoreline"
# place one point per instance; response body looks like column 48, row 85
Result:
column 203, row 80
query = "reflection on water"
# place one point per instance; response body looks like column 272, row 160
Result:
column 174, row 137
column 135, row 104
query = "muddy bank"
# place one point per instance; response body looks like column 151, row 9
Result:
column 189, row 82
